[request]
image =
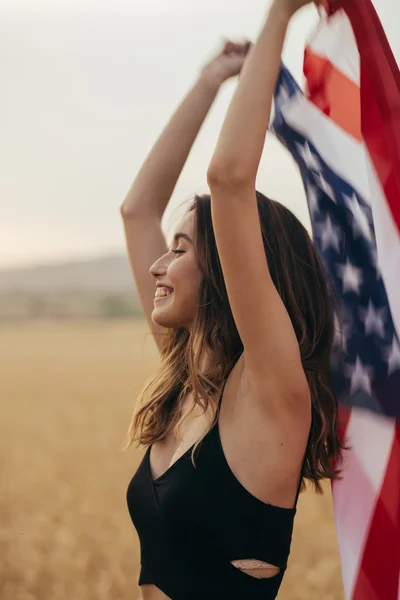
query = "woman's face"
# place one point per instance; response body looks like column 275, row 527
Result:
column 180, row 272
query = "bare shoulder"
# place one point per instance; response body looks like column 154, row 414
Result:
column 254, row 423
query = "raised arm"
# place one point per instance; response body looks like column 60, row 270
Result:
column 148, row 197
column 242, row 137
column 271, row 352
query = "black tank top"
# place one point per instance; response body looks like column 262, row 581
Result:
column 192, row 521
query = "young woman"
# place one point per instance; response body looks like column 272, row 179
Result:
column 241, row 409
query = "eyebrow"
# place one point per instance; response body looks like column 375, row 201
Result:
column 180, row 234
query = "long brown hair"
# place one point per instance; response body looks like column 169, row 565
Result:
column 300, row 279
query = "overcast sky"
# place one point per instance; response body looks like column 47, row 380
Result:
column 88, row 85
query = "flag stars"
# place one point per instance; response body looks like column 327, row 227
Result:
column 282, row 96
column 393, row 356
column 360, row 222
column 360, row 376
column 351, row 277
column 330, row 235
column 325, row 187
column 312, row 198
column 366, row 350
column 373, row 318
column 311, row 161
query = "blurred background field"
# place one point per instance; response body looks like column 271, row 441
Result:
column 67, row 393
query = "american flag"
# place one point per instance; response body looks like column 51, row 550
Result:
column 344, row 134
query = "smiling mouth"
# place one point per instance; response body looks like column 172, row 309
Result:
column 159, row 298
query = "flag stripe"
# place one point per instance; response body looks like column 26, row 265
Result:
column 340, row 151
column 380, row 570
column 380, row 98
column 377, row 575
column 377, row 142
column 387, row 241
column 337, row 34
column 333, row 93
column 366, row 474
column 349, row 159
column 329, row 198
column 352, row 186
column 365, row 467
column 334, row 40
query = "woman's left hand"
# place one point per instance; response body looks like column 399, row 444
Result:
column 228, row 62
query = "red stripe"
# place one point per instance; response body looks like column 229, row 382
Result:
column 378, row 577
column 380, row 98
column 343, row 421
column 333, row 93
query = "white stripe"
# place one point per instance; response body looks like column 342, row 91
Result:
column 354, row 507
column 335, row 41
column 342, row 153
column 387, row 241
column 344, row 501
column 365, row 426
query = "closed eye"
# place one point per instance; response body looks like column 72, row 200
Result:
column 178, row 251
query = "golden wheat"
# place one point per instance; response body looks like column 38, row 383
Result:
column 67, row 391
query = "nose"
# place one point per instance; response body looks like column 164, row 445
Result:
column 159, row 268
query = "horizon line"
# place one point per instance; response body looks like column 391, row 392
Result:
column 62, row 260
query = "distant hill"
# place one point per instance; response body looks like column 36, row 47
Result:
column 102, row 274
column 98, row 287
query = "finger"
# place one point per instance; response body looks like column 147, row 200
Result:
column 235, row 45
column 244, row 48
column 229, row 47
column 226, row 44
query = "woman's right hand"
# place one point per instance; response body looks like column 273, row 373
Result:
column 292, row 6
column 228, row 62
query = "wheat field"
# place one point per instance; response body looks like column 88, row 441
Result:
column 67, row 392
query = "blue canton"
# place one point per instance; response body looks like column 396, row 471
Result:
column 366, row 352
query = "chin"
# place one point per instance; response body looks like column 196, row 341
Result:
column 161, row 317
column 165, row 320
